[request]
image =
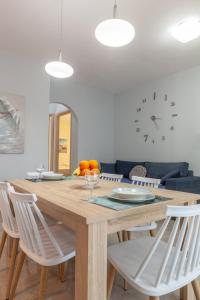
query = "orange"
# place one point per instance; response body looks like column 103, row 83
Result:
column 93, row 164
column 95, row 171
column 82, row 173
column 84, row 164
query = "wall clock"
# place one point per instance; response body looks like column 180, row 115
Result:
column 155, row 118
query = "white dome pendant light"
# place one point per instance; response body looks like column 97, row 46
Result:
column 115, row 32
column 59, row 69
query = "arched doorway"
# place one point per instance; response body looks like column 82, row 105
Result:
column 62, row 139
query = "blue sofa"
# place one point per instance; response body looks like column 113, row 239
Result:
column 174, row 176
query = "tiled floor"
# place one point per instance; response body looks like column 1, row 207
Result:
column 28, row 284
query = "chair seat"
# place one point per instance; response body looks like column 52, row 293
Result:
column 128, row 256
column 146, row 227
column 65, row 239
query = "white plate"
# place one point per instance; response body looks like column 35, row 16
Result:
column 52, row 176
column 131, row 193
column 147, row 198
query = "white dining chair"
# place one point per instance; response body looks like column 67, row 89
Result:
column 47, row 246
column 10, row 230
column 144, row 182
column 111, row 177
column 156, row 267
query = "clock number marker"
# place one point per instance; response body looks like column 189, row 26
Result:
column 144, row 100
column 136, row 121
column 153, row 141
column 165, row 97
column 154, row 96
column 163, row 138
column 137, row 129
column 174, row 115
column 172, row 103
column 139, row 109
column 146, row 137
column 172, row 128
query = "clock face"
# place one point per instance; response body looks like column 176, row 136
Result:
column 155, row 118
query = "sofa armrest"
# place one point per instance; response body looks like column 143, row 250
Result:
column 190, row 184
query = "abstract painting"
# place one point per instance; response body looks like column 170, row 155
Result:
column 12, row 111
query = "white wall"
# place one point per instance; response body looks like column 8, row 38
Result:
column 25, row 77
column 94, row 109
column 183, row 144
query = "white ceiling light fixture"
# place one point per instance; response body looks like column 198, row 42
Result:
column 115, row 32
column 59, row 69
column 186, row 30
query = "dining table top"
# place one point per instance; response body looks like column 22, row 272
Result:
column 69, row 196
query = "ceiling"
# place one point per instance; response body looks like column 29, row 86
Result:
column 30, row 27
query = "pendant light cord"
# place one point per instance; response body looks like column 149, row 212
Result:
column 61, row 29
column 115, row 10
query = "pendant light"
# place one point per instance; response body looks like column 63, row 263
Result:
column 115, row 32
column 59, row 69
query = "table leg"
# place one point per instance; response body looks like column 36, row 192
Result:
column 91, row 262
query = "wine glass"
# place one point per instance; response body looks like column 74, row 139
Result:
column 91, row 182
column 40, row 169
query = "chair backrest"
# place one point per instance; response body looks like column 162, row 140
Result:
column 145, row 181
column 33, row 229
column 9, row 222
column 181, row 256
column 111, row 177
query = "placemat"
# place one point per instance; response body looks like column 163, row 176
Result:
column 43, row 180
column 117, row 205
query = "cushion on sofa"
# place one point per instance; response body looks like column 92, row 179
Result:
column 108, row 168
column 172, row 174
column 124, row 167
column 159, row 170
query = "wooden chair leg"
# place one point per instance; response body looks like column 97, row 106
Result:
column 119, row 235
column 20, row 262
column 182, row 294
column 152, row 233
column 111, row 277
column 61, row 270
column 43, row 282
column 196, row 288
column 129, row 235
column 3, row 240
column 12, row 266
column 9, row 246
column 125, row 236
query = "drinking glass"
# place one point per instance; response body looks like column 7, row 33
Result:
column 91, row 182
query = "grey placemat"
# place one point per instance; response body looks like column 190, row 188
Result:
column 43, row 180
column 117, row 205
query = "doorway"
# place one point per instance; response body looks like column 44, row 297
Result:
column 60, row 139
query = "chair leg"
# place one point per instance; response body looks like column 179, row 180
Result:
column 12, row 265
column 119, row 235
column 9, row 246
column 3, row 240
column 43, row 282
column 182, row 294
column 20, row 262
column 125, row 238
column 61, row 270
column 152, row 233
column 111, row 277
column 196, row 288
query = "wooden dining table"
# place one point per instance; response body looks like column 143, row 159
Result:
column 91, row 223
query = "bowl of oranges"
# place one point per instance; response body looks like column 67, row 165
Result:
column 87, row 167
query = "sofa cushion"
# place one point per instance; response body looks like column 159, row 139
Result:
column 108, row 168
column 159, row 170
column 172, row 174
column 124, row 167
